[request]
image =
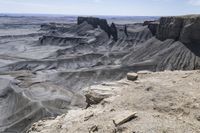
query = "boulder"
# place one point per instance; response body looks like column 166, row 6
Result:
column 96, row 95
column 132, row 76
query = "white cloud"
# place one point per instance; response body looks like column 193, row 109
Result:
column 194, row 2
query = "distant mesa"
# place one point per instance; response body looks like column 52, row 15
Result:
column 102, row 23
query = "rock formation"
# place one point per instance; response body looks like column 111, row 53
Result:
column 152, row 25
column 125, row 30
column 102, row 23
column 47, row 72
column 161, row 102
column 185, row 29
column 113, row 32
column 169, row 28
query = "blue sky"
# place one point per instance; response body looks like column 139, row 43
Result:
column 102, row 7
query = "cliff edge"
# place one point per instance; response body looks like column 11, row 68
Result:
column 158, row 102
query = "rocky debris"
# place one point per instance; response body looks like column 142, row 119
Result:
column 96, row 95
column 168, row 107
column 66, row 62
column 132, row 76
column 123, row 117
column 93, row 129
column 102, row 23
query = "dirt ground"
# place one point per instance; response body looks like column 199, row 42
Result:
column 164, row 102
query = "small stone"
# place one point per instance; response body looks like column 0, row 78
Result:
column 86, row 118
column 150, row 88
column 144, row 72
column 198, row 118
column 93, row 129
column 132, row 76
column 123, row 117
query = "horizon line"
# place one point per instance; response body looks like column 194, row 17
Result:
column 55, row 14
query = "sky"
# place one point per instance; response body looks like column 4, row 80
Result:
column 102, row 7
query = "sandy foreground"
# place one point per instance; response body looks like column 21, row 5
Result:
column 160, row 102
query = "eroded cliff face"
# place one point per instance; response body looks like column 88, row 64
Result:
column 102, row 23
column 185, row 29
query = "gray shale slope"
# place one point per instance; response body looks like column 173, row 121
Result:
column 44, row 70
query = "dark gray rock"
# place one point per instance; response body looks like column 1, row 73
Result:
column 125, row 30
column 190, row 33
column 152, row 25
column 95, row 22
column 102, row 23
column 113, row 32
column 185, row 29
column 169, row 28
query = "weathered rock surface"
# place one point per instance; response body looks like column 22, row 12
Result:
column 132, row 76
column 49, row 67
column 169, row 28
column 113, row 32
column 123, row 117
column 102, row 23
column 172, row 106
column 184, row 29
column 152, row 25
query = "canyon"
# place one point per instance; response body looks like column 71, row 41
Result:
column 45, row 67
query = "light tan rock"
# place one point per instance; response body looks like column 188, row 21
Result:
column 132, row 76
column 144, row 72
column 123, row 117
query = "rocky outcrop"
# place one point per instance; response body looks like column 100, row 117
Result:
column 102, row 23
column 49, row 26
column 186, row 29
column 169, row 28
column 125, row 30
column 113, row 32
column 190, row 33
column 152, row 25
column 158, row 102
